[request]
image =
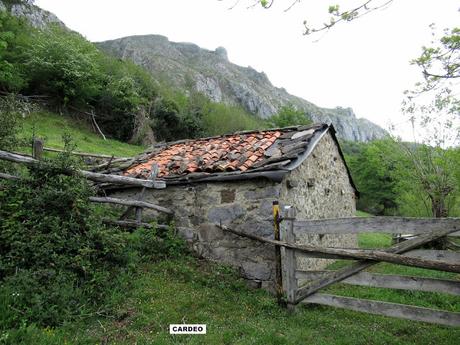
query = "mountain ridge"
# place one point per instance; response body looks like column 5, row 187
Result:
column 187, row 66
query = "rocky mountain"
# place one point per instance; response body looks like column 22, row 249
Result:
column 36, row 16
column 187, row 66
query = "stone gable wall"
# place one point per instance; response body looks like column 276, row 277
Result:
column 319, row 189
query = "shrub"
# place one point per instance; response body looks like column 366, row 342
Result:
column 289, row 116
column 56, row 258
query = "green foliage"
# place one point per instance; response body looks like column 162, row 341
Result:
column 154, row 244
column 10, row 123
column 373, row 170
column 405, row 179
column 289, row 116
column 62, row 65
column 13, row 35
column 221, row 118
column 56, row 257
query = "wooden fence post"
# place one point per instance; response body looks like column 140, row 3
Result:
column 278, row 267
column 37, row 148
column 290, row 265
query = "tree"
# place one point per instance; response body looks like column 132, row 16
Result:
column 337, row 15
column 288, row 116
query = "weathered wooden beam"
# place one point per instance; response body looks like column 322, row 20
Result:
column 84, row 154
column 132, row 224
column 387, row 309
column 123, row 180
column 134, row 203
column 395, row 225
column 390, row 281
column 106, row 164
column 37, row 148
column 374, row 255
column 9, row 177
column 97, row 177
column 17, row 158
column 290, row 264
column 431, row 254
column 359, row 266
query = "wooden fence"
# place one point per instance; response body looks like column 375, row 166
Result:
column 426, row 230
column 134, row 206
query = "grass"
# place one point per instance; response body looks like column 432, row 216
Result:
column 189, row 290
column 193, row 291
column 51, row 127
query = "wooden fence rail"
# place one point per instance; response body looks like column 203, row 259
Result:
column 425, row 231
column 392, row 225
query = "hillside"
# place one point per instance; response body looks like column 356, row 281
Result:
column 189, row 67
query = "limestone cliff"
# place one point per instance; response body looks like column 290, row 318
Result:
column 187, row 66
column 36, row 16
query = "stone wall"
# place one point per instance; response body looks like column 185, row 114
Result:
column 319, row 189
column 244, row 205
column 247, row 206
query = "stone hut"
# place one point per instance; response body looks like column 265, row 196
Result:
column 233, row 180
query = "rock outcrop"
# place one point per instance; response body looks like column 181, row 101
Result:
column 187, row 66
column 36, row 16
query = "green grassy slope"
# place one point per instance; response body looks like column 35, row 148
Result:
column 192, row 291
column 188, row 290
column 51, row 128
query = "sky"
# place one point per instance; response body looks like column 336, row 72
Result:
column 363, row 64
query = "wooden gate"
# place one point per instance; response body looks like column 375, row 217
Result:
column 425, row 230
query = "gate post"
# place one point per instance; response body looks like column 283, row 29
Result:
column 278, row 265
column 290, row 279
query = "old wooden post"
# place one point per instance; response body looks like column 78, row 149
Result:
column 287, row 235
column 153, row 175
column 278, row 266
column 37, row 148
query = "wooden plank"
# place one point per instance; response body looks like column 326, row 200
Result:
column 430, row 254
column 359, row 266
column 97, row 177
column 390, row 281
column 84, row 154
column 401, row 225
column 387, row 309
column 289, row 261
column 368, row 254
column 134, row 203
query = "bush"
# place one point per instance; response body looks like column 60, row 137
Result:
column 154, row 244
column 289, row 116
column 56, row 258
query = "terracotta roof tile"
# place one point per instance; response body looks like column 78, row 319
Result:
column 233, row 152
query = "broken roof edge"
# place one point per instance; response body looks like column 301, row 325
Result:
column 350, row 178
